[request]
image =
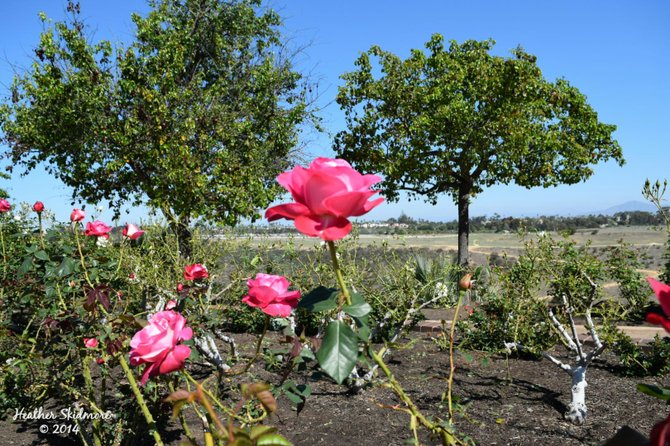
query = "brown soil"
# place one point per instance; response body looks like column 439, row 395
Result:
column 503, row 401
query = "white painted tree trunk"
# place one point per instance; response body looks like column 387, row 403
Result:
column 576, row 413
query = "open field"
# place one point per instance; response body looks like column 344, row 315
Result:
column 634, row 235
column 649, row 241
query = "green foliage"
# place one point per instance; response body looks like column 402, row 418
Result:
column 197, row 115
column 511, row 310
column 637, row 360
column 458, row 119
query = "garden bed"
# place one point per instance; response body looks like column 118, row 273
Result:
column 506, row 402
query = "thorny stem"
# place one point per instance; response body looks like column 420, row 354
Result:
column 338, row 273
column 81, row 256
column 91, row 398
column 446, row 437
column 4, row 253
column 140, row 399
column 39, row 219
column 258, row 344
column 118, row 267
column 452, row 365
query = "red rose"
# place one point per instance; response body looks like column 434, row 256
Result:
column 195, row 271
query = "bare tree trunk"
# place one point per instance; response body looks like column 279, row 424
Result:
column 184, row 237
column 463, row 223
column 576, row 413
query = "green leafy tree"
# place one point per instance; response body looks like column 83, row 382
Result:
column 458, row 119
column 195, row 117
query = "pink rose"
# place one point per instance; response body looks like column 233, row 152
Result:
column 156, row 344
column 4, row 205
column 97, row 229
column 38, row 207
column 77, row 215
column 270, row 294
column 662, row 292
column 171, row 304
column 132, row 232
column 326, row 194
column 195, row 271
column 90, row 342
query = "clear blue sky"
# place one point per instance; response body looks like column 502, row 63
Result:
column 617, row 53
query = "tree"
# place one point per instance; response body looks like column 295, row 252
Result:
column 196, row 117
column 460, row 119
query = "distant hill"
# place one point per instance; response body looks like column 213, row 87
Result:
column 629, row 206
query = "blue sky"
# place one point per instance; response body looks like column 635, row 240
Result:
column 615, row 52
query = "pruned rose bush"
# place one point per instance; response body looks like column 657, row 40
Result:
column 103, row 300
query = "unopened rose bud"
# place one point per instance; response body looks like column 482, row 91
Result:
column 38, row 207
column 465, row 283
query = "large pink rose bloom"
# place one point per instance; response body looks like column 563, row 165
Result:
column 662, row 292
column 270, row 294
column 156, row 344
column 326, row 194
column 97, row 229
column 195, row 271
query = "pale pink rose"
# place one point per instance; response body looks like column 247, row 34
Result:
column 77, row 215
column 171, row 304
column 195, row 271
column 157, row 344
column 270, row 294
column 4, row 205
column 132, row 232
column 97, row 229
column 38, row 207
column 326, row 194
column 90, row 342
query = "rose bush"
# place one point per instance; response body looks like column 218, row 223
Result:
column 326, row 194
column 157, row 344
column 270, row 293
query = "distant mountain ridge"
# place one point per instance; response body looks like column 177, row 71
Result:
column 629, row 206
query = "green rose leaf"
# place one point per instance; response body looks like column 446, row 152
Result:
column 273, row 440
column 358, row 308
column 66, row 267
column 662, row 393
column 319, row 299
column 339, row 351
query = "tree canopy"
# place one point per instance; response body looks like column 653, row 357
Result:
column 459, row 119
column 196, row 116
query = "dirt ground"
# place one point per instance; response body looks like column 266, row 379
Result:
column 503, row 402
